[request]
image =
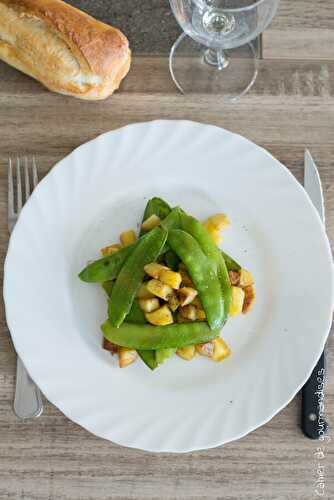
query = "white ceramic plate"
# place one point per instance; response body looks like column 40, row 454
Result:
column 101, row 189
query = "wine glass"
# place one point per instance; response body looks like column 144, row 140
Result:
column 214, row 54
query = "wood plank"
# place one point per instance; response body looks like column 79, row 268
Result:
column 301, row 29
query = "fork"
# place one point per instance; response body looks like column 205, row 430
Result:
column 28, row 399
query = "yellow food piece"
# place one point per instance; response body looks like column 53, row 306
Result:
column 162, row 316
column 220, row 349
column 206, row 349
column 170, row 278
column 151, row 222
column 213, row 232
column 246, row 278
column 196, row 302
column 218, row 221
column 149, row 305
column 173, row 302
column 187, row 352
column 110, row 249
column 187, row 295
column 189, row 312
column 186, row 280
column 126, row 356
column 127, row 237
column 159, row 289
column 237, row 300
column 249, row 299
column 143, row 293
column 180, row 318
column 154, row 269
column 200, row 314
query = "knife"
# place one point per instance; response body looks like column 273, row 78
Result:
column 313, row 423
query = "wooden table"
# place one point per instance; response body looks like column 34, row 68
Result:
column 290, row 107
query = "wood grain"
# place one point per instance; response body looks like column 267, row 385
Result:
column 291, row 107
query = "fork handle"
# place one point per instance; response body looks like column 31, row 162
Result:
column 28, row 399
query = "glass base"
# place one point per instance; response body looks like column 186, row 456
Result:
column 197, row 69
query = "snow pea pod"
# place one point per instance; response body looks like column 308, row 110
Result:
column 149, row 337
column 107, row 268
column 131, row 275
column 231, row 264
column 155, row 206
column 202, row 272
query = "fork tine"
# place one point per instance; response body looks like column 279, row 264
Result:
column 19, row 185
column 34, row 172
column 26, row 178
column 10, row 189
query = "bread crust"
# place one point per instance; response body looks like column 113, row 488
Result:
column 98, row 48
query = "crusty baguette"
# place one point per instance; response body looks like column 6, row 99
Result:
column 67, row 50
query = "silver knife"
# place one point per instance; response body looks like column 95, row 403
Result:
column 313, row 424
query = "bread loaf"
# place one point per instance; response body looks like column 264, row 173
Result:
column 67, row 50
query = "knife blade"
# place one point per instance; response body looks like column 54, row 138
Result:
column 313, row 424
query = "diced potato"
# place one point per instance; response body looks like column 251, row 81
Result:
column 180, row 318
column 127, row 237
column 216, row 236
column 220, row 349
column 143, row 293
column 197, row 302
column 249, row 299
column 200, row 314
column 186, row 280
column 189, row 312
column 187, row 295
column 246, row 278
column 237, row 300
column 219, row 221
column 170, row 278
column 187, row 352
column 110, row 249
column 159, row 289
column 110, row 346
column 126, row 356
column 234, row 278
column 150, row 223
column 206, row 349
column 162, row 316
column 154, row 269
column 173, row 302
column 149, row 305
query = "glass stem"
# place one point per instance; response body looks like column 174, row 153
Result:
column 216, row 57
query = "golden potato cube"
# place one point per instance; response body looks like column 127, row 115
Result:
column 246, row 278
column 187, row 295
column 173, row 302
column 187, row 352
column 110, row 249
column 170, row 278
column 197, row 302
column 213, row 231
column 150, row 223
column 200, row 314
column 219, row 221
column 249, row 299
column 126, row 356
column 159, row 289
column 237, row 300
column 206, row 349
column 186, row 280
column 189, row 312
column 128, row 237
column 220, row 349
column 143, row 293
column 153, row 269
column 149, row 305
column 161, row 317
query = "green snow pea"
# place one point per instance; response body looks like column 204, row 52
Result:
column 149, row 337
column 155, row 206
column 107, row 268
column 202, row 272
column 131, row 275
column 231, row 264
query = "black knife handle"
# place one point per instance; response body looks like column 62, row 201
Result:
column 314, row 425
